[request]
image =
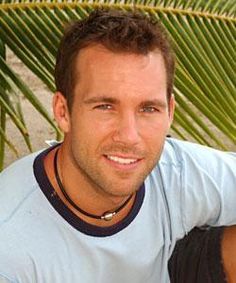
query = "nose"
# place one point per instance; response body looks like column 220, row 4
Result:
column 127, row 131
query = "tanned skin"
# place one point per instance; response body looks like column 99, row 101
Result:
column 229, row 253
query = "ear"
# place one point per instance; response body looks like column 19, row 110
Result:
column 171, row 108
column 61, row 112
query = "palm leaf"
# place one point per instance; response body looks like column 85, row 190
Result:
column 203, row 35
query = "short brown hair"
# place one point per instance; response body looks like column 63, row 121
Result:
column 118, row 31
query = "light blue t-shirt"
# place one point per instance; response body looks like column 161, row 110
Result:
column 42, row 241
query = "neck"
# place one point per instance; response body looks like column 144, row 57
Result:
column 86, row 198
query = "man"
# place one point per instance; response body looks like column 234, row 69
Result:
column 109, row 203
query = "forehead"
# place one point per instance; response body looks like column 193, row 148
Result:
column 98, row 68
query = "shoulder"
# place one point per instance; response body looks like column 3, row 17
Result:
column 185, row 149
column 187, row 172
column 18, row 174
column 192, row 156
column 16, row 183
column 184, row 162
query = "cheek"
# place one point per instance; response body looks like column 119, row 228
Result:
column 155, row 127
column 154, row 142
column 102, row 129
column 89, row 134
column 154, row 134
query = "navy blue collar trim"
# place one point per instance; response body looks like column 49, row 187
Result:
column 69, row 216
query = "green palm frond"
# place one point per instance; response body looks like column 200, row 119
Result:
column 203, row 33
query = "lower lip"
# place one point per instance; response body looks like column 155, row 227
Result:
column 123, row 166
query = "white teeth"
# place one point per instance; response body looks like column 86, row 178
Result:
column 121, row 160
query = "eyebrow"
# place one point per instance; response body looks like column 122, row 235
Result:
column 104, row 99
column 154, row 102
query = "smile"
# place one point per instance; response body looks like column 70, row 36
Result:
column 120, row 160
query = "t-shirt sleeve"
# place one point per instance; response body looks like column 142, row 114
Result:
column 208, row 190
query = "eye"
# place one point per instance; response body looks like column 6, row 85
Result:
column 149, row 109
column 103, row 107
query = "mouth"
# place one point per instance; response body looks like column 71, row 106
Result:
column 122, row 162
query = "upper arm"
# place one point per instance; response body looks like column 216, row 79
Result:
column 229, row 253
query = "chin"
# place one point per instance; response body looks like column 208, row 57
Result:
column 120, row 192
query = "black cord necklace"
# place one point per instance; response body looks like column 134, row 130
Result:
column 105, row 216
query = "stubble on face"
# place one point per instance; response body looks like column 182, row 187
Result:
column 119, row 183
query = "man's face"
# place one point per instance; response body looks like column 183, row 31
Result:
column 119, row 118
